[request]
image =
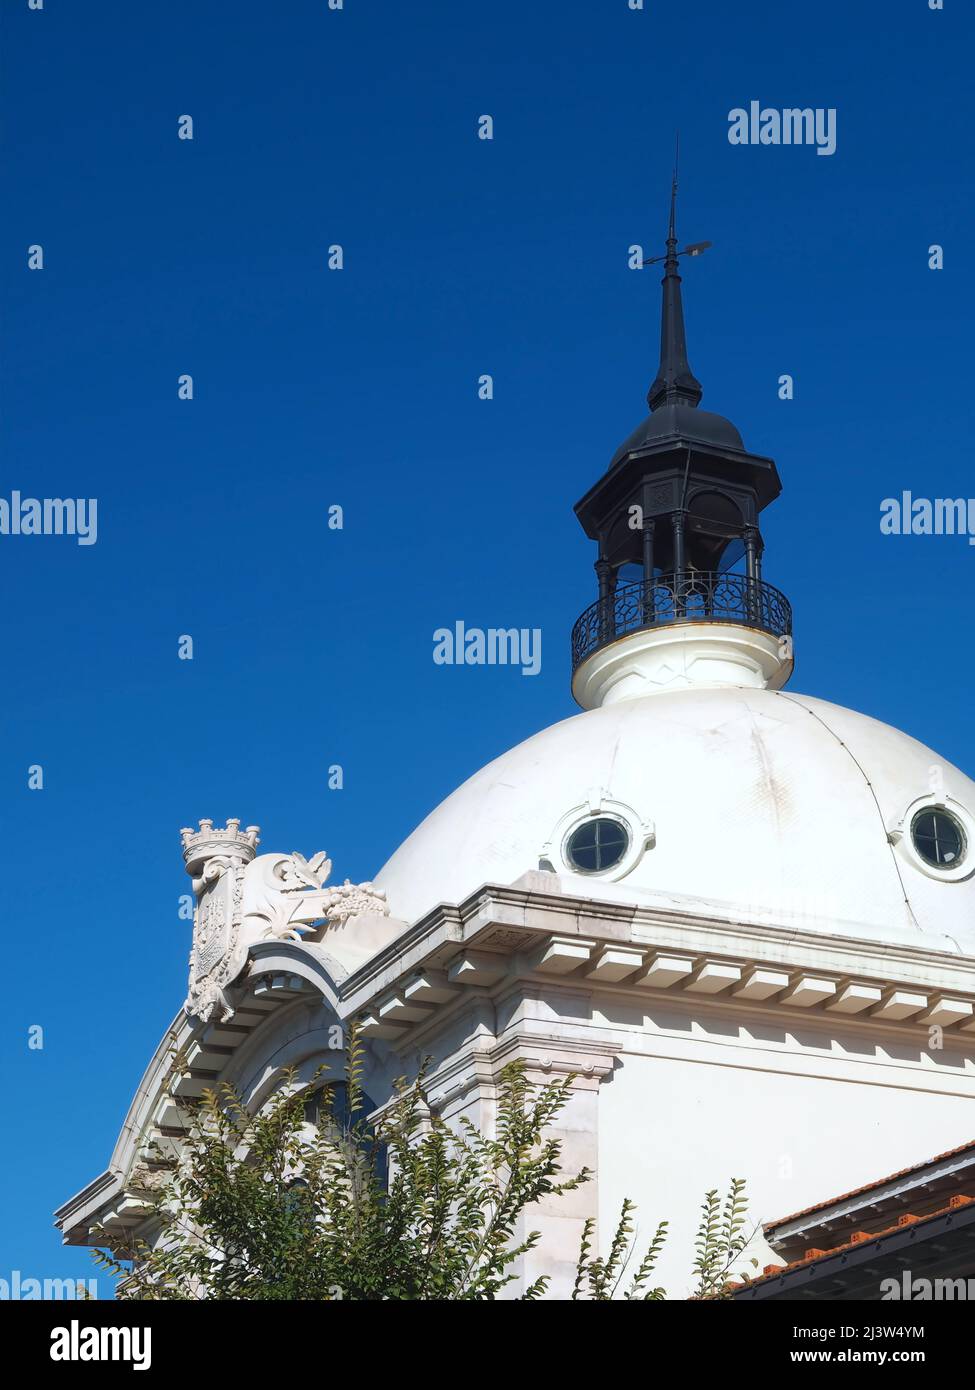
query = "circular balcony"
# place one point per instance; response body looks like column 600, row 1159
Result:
column 693, row 597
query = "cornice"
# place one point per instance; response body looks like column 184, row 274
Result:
column 529, row 938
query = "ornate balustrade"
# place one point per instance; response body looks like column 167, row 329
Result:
column 696, row 596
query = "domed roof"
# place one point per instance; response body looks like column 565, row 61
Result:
column 679, row 421
column 748, row 803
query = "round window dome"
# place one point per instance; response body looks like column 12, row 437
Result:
column 938, row 837
column 731, row 797
column 597, row 845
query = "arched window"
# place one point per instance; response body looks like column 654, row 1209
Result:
column 330, row 1100
column 714, row 527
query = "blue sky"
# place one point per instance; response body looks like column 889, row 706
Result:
column 359, row 388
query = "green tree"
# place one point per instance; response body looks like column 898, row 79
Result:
column 267, row 1207
column 721, row 1239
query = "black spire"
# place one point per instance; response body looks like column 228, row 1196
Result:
column 675, row 383
column 697, row 495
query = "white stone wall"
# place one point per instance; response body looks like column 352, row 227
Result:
column 670, row 1128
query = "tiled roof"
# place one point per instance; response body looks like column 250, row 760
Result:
column 859, row 1237
column 870, row 1186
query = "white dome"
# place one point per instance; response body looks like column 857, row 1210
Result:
column 741, row 803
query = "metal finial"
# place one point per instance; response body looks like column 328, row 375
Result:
column 674, row 383
column 672, row 232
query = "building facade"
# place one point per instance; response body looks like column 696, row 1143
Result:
column 743, row 920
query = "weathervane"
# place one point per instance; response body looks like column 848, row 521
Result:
column 696, row 248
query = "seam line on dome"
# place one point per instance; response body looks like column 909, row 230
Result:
column 793, row 699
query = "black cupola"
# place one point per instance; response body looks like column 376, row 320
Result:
column 676, row 515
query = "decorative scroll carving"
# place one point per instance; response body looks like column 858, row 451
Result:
column 285, row 896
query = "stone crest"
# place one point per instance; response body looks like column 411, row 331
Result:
column 211, row 934
column 243, row 898
column 216, row 861
column 218, row 955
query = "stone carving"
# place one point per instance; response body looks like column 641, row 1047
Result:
column 219, row 952
column 351, row 900
column 145, row 1179
column 285, row 896
column 243, row 897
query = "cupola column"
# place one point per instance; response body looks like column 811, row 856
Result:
column 752, row 565
column 648, row 605
column 607, row 592
column 677, row 523
column 752, row 562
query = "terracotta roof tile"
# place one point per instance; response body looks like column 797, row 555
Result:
column 869, row 1187
column 860, row 1237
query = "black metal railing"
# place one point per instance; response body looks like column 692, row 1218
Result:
column 693, row 597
